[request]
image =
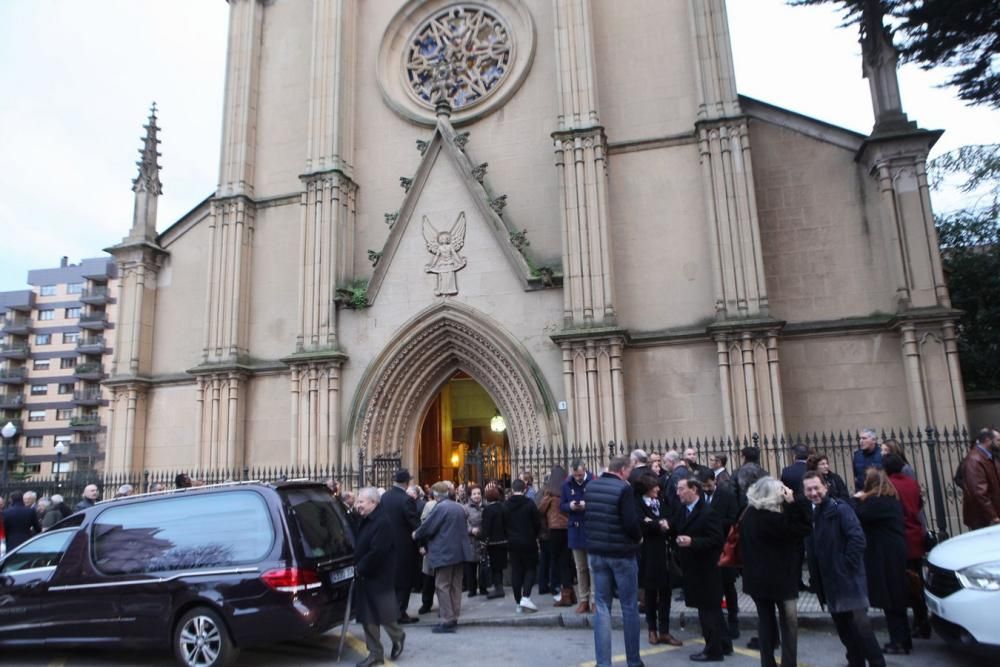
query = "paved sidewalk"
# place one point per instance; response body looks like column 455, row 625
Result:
column 501, row 612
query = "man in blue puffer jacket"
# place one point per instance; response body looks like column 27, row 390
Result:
column 574, row 505
column 613, row 537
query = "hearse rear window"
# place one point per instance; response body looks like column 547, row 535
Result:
column 322, row 525
column 182, row 533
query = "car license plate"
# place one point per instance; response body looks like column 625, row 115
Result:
column 342, row 574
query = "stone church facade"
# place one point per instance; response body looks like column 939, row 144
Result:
column 566, row 201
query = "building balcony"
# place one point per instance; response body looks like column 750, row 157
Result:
column 85, row 424
column 90, row 397
column 16, row 326
column 96, row 296
column 94, row 321
column 14, row 351
column 84, row 449
column 13, row 375
column 91, row 345
column 88, row 371
column 11, row 401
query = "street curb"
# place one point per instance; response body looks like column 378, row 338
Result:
column 690, row 618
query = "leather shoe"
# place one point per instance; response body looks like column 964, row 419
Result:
column 653, row 638
column 397, row 649
column 424, row 610
column 667, row 638
column 407, row 620
column 370, row 662
column 727, row 650
column 895, row 649
column 704, row 657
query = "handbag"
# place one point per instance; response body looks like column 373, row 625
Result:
column 731, row 555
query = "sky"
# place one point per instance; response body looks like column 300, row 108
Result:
column 77, row 79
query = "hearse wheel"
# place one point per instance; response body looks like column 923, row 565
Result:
column 202, row 640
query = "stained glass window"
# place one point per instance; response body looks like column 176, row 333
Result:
column 467, row 46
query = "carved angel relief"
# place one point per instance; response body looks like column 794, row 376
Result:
column 445, row 247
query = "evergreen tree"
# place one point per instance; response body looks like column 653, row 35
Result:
column 962, row 34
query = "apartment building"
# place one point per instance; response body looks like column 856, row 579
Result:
column 54, row 352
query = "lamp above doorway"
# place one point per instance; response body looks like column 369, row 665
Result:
column 497, row 423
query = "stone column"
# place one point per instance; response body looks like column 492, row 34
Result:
column 749, row 378
column 593, row 368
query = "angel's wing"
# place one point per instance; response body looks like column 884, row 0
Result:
column 430, row 236
column 458, row 232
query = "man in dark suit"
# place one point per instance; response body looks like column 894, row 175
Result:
column 401, row 512
column 20, row 523
column 375, row 579
column 791, row 477
column 698, row 530
column 722, row 499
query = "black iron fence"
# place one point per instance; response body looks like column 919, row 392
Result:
column 377, row 472
column 934, row 455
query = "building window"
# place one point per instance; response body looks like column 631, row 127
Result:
column 34, row 441
column 39, row 389
column 64, row 439
column 66, row 388
column 74, row 288
column 32, row 468
column 67, row 362
column 63, row 414
column 36, row 416
column 62, row 466
column 47, row 314
column 43, row 339
column 40, row 364
column 73, row 313
column 73, row 337
column 47, row 290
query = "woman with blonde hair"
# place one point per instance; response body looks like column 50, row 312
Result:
column 881, row 514
column 771, row 534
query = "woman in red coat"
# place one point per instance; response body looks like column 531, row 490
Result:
column 913, row 529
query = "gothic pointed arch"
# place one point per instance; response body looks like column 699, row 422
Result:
column 424, row 354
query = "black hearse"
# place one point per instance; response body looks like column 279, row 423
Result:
column 205, row 571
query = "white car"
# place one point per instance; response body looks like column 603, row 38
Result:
column 962, row 587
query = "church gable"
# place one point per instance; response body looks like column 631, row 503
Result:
column 450, row 230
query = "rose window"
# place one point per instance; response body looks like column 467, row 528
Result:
column 462, row 53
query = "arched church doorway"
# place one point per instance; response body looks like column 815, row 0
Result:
column 463, row 435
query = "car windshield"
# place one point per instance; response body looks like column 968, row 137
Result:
column 322, row 525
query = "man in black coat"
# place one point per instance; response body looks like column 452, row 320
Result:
column 20, row 523
column 401, row 513
column 791, row 477
column 524, row 524
column 374, row 579
column 722, row 500
column 700, row 539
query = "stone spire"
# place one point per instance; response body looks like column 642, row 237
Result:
column 146, row 185
column 879, row 60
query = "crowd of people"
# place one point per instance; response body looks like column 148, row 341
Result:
column 650, row 526
column 645, row 527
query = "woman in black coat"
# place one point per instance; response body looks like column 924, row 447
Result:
column 654, row 570
column 494, row 536
column 881, row 515
column 771, row 534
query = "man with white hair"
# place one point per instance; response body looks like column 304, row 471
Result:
column 89, row 498
column 374, row 579
column 867, row 455
column 57, row 511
